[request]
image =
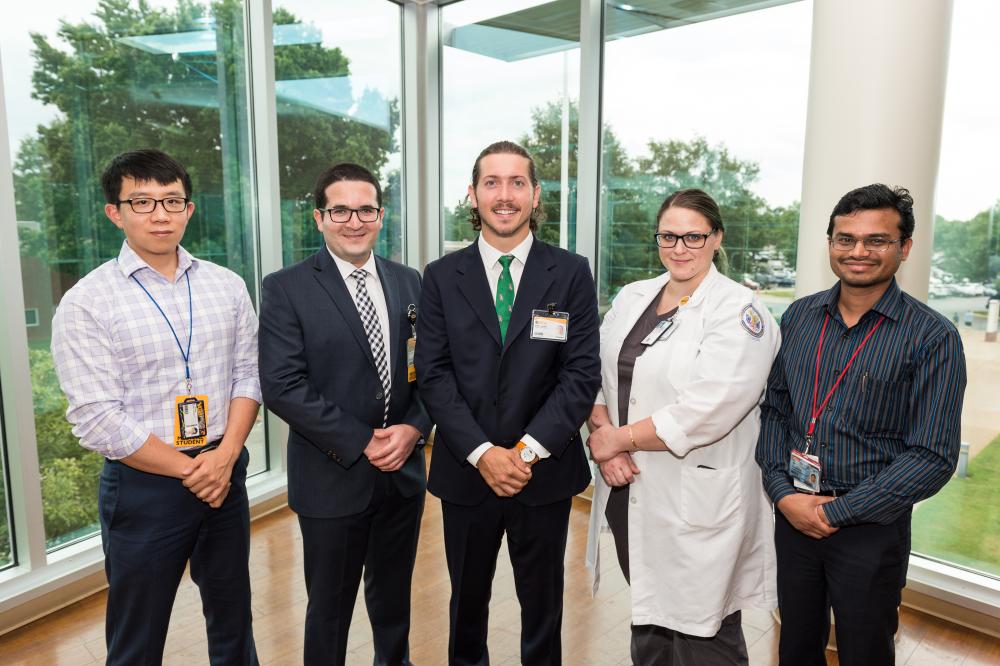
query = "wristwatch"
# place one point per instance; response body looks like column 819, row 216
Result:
column 527, row 453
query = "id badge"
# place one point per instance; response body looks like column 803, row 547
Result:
column 549, row 325
column 661, row 331
column 190, row 420
column 805, row 471
column 411, row 369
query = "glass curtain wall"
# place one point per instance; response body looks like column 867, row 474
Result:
column 510, row 70
column 961, row 524
column 715, row 101
column 83, row 82
column 338, row 82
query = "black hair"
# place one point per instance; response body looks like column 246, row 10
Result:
column 344, row 171
column 876, row 197
column 143, row 166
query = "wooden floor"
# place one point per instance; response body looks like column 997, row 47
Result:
column 595, row 631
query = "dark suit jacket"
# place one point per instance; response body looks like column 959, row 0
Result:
column 317, row 373
column 478, row 390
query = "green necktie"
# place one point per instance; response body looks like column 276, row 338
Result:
column 505, row 295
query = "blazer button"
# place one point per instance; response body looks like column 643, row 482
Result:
column 379, row 395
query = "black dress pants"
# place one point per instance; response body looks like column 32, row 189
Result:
column 860, row 571
column 536, row 540
column 381, row 544
column 151, row 526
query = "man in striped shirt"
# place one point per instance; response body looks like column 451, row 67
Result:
column 157, row 354
column 860, row 421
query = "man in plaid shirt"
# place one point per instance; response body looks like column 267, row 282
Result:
column 157, row 353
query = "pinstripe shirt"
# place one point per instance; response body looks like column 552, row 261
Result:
column 889, row 435
column 118, row 362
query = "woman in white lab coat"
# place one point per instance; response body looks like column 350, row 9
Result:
column 684, row 359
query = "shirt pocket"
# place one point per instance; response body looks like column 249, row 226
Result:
column 710, row 497
column 881, row 404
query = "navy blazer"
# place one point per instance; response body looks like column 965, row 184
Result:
column 318, row 374
column 478, row 390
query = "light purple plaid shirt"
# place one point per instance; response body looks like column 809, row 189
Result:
column 119, row 364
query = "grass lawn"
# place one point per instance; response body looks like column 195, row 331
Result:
column 961, row 523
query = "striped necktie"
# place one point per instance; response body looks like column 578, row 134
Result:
column 370, row 321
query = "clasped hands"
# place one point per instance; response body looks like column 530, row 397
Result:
column 805, row 513
column 390, row 447
column 208, row 475
column 504, row 471
column 609, row 449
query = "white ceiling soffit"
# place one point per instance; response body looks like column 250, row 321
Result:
column 555, row 26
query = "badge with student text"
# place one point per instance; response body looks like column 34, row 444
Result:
column 191, row 420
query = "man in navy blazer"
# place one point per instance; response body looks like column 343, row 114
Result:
column 508, row 367
column 333, row 364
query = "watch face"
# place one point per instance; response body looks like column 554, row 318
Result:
column 527, row 455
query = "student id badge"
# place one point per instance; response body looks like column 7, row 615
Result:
column 411, row 368
column 549, row 325
column 661, row 331
column 805, row 471
column 191, row 420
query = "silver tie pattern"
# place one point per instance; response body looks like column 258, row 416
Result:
column 370, row 321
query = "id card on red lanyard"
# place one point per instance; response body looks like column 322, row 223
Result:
column 805, row 468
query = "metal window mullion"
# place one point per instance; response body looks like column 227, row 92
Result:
column 266, row 182
column 28, row 528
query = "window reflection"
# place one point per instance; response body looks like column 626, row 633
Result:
column 104, row 80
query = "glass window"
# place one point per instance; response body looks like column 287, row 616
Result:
column 338, row 82
column 961, row 524
column 505, row 78
column 725, row 112
column 83, row 84
column 6, row 524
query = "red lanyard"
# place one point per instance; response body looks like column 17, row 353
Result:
column 819, row 353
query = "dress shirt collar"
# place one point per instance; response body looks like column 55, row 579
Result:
column 491, row 255
column 346, row 267
column 890, row 304
column 129, row 262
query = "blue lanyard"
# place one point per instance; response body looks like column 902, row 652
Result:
column 184, row 355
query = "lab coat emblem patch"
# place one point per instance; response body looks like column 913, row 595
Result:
column 751, row 320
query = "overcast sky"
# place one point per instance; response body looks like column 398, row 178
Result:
column 740, row 81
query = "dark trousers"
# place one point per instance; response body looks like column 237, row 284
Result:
column 653, row 645
column 536, row 540
column 381, row 542
column 860, row 571
column 151, row 526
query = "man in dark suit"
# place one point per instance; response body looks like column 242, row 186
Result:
column 334, row 339
column 507, row 362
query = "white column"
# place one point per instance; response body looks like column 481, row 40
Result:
column 588, row 176
column 422, row 133
column 876, row 99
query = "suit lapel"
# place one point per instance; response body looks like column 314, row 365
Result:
column 535, row 281
column 333, row 284
column 471, row 280
column 390, row 287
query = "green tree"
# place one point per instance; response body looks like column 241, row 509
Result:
column 115, row 92
column 969, row 249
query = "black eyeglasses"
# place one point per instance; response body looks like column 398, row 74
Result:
column 691, row 241
column 875, row 244
column 342, row 214
column 148, row 204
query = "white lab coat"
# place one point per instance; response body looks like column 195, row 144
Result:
column 701, row 542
